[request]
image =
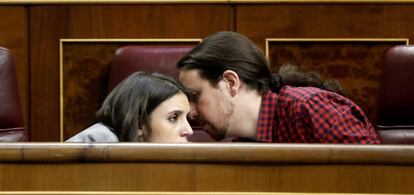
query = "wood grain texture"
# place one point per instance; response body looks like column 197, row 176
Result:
column 51, row 23
column 85, row 71
column 325, row 21
column 207, row 168
column 14, row 36
column 333, row 21
column 211, row 153
column 205, row 177
column 28, row 2
column 356, row 64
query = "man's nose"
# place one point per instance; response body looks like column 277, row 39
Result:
column 193, row 112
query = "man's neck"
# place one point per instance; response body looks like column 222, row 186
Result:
column 245, row 118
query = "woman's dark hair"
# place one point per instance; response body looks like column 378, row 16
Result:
column 225, row 50
column 132, row 101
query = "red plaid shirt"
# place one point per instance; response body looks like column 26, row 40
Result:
column 312, row 115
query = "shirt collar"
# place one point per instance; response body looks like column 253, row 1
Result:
column 267, row 117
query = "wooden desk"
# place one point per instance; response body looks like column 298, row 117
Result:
column 224, row 167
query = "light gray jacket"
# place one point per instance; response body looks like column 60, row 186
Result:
column 95, row 133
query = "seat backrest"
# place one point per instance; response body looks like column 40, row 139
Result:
column 129, row 59
column 12, row 126
column 161, row 59
column 396, row 101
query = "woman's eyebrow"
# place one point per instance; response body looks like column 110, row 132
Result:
column 176, row 112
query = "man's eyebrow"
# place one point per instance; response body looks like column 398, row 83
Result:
column 191, row 91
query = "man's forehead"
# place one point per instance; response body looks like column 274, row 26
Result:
column 190, row 77
column 189, row 73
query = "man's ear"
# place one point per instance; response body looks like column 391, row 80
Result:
column 233, row 81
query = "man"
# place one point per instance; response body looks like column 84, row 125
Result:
column 234, row 94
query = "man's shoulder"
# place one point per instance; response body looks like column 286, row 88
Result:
column 311, row 95
column 300, row 93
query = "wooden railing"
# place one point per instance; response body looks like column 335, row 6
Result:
column 208, row 153
column 37, row 168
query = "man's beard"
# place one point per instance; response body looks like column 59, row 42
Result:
column 215, row 133
column 218, row 130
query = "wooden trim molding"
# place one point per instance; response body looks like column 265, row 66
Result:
column 194, row 1
column 250, row 153
column 333, row 40
column 157, row 193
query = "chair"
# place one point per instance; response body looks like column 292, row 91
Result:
column 396, row 103
column 12, row 128
column 161, row 59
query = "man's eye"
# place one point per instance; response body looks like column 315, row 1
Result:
column 195, row 96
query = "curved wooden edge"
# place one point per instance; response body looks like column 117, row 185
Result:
column 161, row 193
column 208, row 153
column 193, row 1
column 157, row 193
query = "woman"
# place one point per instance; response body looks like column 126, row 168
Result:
column 145, row 107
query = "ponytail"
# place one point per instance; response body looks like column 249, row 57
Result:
column 290, row 75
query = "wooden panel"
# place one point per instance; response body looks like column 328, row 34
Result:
column 333, row 21
column 206, row 177
column 50, row 23
column 356, row 64
column 14, row 36
column 85, row 71
column 207, row 168
column 325, row 21
column 28, row 2
column 269, row 153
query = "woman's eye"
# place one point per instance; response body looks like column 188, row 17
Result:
column 173, row 118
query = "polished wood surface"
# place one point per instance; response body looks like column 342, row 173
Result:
column 193, row 1
column 158, row 193
column 14, row 36
column 325, row 21
column 212, row 153
column 206, row 168
column 103, row 21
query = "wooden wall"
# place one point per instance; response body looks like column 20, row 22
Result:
column 147, row 167
column 33, row 31
column 103, row 21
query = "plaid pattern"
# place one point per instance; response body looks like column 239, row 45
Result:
column 312, row 115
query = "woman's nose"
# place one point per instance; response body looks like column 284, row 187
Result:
column 187, row 130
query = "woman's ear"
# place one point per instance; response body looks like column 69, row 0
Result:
column 141, row 132
column 232, row 80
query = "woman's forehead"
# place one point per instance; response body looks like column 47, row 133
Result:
column 178, row 102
